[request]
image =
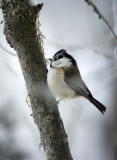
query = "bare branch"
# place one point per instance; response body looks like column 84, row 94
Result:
column 100, row 15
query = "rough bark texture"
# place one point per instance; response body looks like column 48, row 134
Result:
column 21, row 33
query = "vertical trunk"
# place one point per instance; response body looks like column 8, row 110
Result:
column 21, row 33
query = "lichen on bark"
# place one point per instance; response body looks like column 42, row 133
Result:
column 21, row 33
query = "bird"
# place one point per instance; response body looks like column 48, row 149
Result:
column 64, row 79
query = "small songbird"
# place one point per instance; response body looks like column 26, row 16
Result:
column 65, row 81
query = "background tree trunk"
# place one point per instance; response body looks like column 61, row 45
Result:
column 21, row 33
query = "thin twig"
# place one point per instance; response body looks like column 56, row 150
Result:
column 100, row 15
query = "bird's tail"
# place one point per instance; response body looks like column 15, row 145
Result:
column 99, row 105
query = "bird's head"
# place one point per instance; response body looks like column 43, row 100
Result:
column 62, row 59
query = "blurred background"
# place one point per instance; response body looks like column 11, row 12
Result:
column 72, row 25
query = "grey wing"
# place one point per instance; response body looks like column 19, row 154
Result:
column 74, row 81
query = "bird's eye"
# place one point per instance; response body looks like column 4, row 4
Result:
column 60, row 57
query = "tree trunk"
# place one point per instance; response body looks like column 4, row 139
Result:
column 21, row 33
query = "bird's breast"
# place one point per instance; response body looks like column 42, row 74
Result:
column 57, row 85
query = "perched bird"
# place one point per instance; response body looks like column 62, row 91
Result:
column 65, row 81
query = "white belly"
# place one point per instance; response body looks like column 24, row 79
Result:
column 57, row 86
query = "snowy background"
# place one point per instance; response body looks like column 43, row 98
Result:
column 72, row 25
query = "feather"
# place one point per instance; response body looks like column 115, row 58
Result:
column 74, row 80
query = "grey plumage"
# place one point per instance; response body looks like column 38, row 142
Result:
column 65, row 81
column 74, row 80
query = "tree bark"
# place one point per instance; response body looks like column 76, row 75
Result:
column 21, row 33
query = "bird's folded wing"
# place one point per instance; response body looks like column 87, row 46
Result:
column 74, row 80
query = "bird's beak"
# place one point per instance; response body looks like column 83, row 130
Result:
column 50, row 59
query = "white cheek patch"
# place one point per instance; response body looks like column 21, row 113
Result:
column 63, row 62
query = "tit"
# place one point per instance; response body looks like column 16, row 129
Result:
column 65, row 81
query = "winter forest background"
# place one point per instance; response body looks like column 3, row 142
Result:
column 74, row 26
